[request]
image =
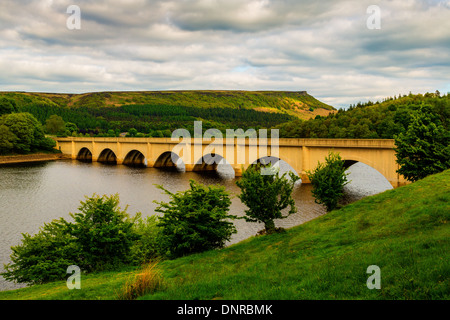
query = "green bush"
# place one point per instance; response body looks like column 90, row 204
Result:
column 103, row 231
column 100, row 237
column 44, row 256
column 328, row 180
column 195, row 220
column 147, row 247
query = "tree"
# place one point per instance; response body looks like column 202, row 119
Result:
column 7, row 139
column 194, row 220
column 328, row 180
column 55, row 125
column 266, row 195
column 28, row 131
column 7, row 106
column 424, row 148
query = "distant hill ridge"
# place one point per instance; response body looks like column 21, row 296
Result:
column 295, row 103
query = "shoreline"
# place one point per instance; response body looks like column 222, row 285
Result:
column 35, row 157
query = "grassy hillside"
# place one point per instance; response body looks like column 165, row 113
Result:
column 159, row 113
column 404, row 231
column 295, row 103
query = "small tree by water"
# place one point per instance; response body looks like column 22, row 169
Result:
column 266, row 195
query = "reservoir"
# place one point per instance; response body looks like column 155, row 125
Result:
column 32, row 194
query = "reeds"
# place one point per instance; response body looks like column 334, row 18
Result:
column 147, row 281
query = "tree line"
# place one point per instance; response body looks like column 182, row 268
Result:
column 380, row 120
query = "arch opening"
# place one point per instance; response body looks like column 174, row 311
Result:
column 84, row 155
column 107, row 156
column 215, row 164
column 169, row 161
column 135, row 158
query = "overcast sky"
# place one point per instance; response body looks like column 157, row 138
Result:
column 323, row 47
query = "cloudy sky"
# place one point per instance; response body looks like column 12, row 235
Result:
column 323, row 47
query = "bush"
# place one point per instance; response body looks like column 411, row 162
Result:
column 328, row 180
column 147, row 247
column 44, row 256
column 266, row 195
column 195, row 220
column 100, row 237
column 104, row 232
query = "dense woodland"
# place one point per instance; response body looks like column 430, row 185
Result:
column 370, row 120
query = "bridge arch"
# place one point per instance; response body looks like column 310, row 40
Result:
column 169, row 160
column 84, row 154
column 135, row 158
column 107, row 156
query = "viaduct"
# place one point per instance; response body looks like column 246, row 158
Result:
column 199, row 154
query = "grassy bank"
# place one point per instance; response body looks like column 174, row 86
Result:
column 405, row 232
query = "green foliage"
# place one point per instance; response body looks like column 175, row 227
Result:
column 328, row 180
column 382, row 120
column 266, row 195
column 147, row 247
column 43, row 257
column 24, row 133
column 100, row 237
column 7, row 106
column 55, row 125
column 195, row 220
column 103, row 231
column 424, row 148
column 7, row 139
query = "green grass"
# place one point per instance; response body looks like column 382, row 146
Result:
column 403, row 231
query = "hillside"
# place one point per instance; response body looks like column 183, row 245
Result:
column 405, row 232
column 297, row 103
column 158, row 113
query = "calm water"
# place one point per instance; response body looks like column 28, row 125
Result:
column 33, row 194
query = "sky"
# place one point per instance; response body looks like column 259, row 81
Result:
column 340, row 52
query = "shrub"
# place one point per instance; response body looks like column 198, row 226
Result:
column 147, row 247
column 100, row 237
column 44, row 256
column 266, row 195
column 195, row 220
column 328, row 180
column 103, row 231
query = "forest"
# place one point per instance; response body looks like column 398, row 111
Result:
column 379, row 120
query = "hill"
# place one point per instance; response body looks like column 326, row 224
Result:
column 405, row 232
column 157, row 113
